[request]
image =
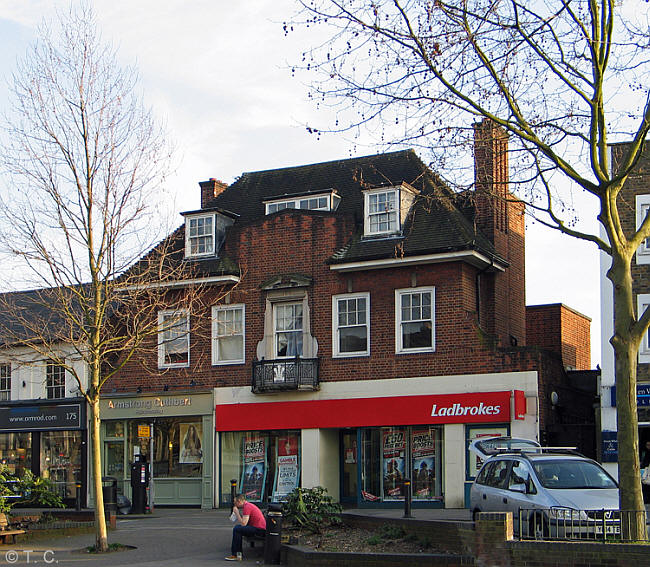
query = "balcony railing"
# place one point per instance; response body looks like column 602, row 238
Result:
column 285, row 374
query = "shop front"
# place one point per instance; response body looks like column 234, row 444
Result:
column 48, row 438
column 362, row 448
column 173, row 434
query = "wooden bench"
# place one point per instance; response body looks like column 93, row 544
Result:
column 6, row 530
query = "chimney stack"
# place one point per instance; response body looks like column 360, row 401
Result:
column 210, row 190
column 491, row 177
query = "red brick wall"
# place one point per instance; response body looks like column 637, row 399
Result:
column 562, row 330
column 638, row 183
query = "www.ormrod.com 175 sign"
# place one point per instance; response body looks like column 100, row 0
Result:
column 37, row 417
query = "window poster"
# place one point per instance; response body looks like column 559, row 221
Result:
column 394, row 459
column 190, row 449
column 254, row 469
column 423, row 451
column 287, row 471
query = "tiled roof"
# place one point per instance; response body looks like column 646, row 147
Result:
column 435, row 224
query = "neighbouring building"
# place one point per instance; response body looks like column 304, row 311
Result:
column 360, row 324
column 43, row 423
column 634, row 203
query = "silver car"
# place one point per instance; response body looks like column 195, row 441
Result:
column 551, row 492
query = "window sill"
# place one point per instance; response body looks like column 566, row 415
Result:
column 416, row 351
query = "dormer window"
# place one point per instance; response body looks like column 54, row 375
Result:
column 200, row 237
column 386, row 209
column 317, row 202
column 204, row 234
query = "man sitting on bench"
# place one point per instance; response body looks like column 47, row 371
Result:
column 249, row 522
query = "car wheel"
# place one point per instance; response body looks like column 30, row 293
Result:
column 538, row 526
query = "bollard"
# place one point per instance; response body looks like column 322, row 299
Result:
column 78, row 497
column 407, row 498
column 233, row 492
column 273, row 537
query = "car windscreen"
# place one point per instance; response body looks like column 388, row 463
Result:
column 572, row 474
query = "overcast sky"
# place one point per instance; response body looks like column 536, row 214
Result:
column 217, row 73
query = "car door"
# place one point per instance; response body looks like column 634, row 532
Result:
column 496, row 488
column 521, row 491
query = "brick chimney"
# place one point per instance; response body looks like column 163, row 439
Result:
column 500, row 216
column 210, row 190
column 491, row 178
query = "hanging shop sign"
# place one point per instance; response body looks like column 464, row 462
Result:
column 479, row 407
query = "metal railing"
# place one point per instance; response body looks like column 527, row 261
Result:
column 585, row 525
column 285, row 374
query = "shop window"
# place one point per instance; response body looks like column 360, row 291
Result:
column 390, row 454
column 61, row 460
column 414, row 316
column 287, row 331
column 16, row 452
column 351, row 325
column 177, row 446
column 54, row 381
column 5, row 382
column 173, row 339
column 265, row 464
column 228, row 334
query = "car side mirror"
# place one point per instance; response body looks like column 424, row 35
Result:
column 519, row 488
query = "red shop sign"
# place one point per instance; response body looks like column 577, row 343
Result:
column 480, row 407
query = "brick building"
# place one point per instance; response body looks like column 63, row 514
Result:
column 634, row 203
column 360, row 323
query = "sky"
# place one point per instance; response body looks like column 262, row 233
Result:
column 218, row 75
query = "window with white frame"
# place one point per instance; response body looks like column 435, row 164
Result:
column 642, row 210
column 287, row 329
column 321, row 202
column 173, row 339
column 5, row 382
column 228, row 334
column 381, row 212
column 642, row 303
column 54, row 381
column 200, row 235
column 351, row 325
column 414, row 320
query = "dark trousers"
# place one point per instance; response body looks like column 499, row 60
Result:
column 240, row 531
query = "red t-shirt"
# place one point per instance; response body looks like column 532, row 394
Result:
column 256, row 518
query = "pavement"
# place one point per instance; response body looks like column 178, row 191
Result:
column 168, row 537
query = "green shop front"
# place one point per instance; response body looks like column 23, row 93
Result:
column 173, row 433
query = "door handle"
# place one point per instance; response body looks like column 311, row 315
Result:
column 505, row 500
column 484, row 497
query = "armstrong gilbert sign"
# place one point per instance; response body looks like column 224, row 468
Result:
column 142, row 405
column 477, row 407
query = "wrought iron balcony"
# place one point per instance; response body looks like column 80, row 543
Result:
column 285, row 374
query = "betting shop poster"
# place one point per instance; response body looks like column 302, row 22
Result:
column 394, row 452
column 287, row 471
column 254, row 469
column 423, row 452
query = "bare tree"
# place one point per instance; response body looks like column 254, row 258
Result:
column 85, row 162
column 561, row 77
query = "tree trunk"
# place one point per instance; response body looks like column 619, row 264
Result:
column 101, row 536
column 626, row 348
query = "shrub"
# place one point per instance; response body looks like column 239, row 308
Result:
column 33, row 491
column 311, row 509
column 38, row 491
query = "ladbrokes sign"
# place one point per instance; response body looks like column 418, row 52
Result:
column 480, row 407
